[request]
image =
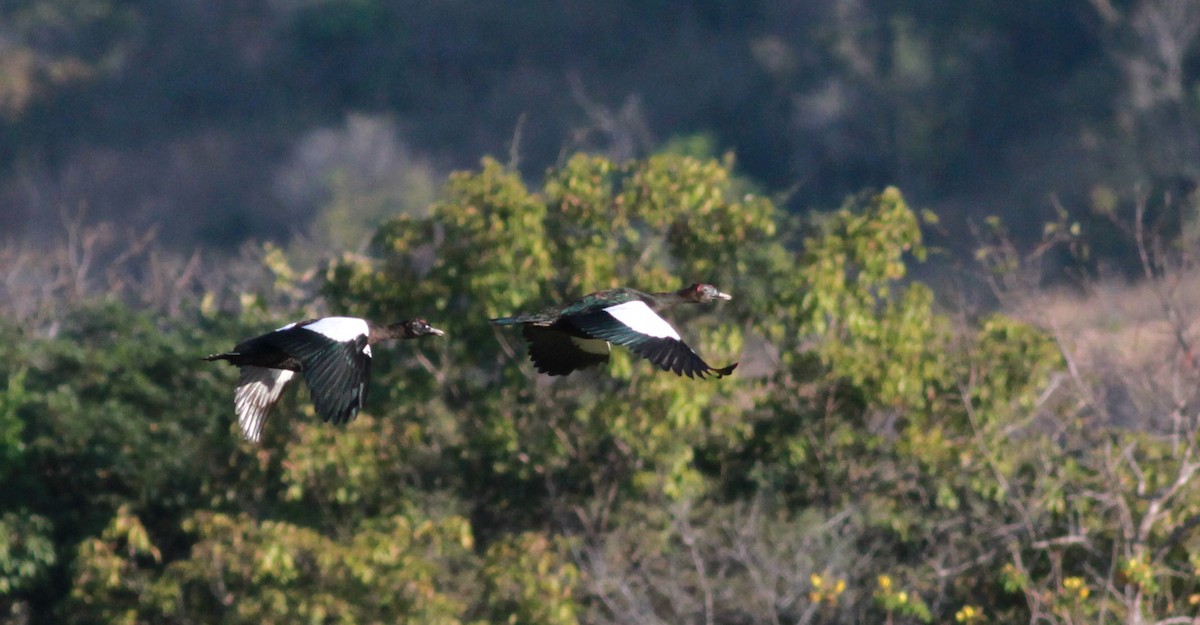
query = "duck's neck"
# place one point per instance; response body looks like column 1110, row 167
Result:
column 384, row 333
column 664, row 300
column 672, row 298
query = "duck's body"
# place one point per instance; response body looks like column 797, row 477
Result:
column 333, row 353
column 566, row 338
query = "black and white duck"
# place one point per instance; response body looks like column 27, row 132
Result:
column 566, row 338
column 333, row 353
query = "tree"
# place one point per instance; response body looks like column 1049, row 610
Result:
column 873, row 458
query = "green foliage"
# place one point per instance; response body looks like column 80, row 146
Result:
column 898, row 602
column 11, row 445
column 107, row 415
column 498, row 248
column 27, row 551
column 865, row 434
column 881, row 420
column 104, row 401
column 108, row 583
column 390, row 569
column 528, row 580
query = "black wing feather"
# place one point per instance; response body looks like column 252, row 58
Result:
column 669, row 354
column 336, row 372
column 553, row 351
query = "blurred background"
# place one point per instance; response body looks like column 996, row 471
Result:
column 222, row 122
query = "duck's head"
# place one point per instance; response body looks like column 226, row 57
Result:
column 413, row 328
column 701, row 293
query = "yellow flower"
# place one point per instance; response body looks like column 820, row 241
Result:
column 902, row 597
column 839, row 587
column 815, row 580
column 885, row 583
column 1194, row 598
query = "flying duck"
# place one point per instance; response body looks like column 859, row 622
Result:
column 563, row 339
column 333, row 353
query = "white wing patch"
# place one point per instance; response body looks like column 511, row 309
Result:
column 339, row 329
column 591, row 346
column 258, row 391
column 641, row 319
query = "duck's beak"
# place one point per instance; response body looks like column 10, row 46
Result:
column 721, row 295
column 436, row 332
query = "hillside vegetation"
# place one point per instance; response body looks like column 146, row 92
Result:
column 874, row 459
column 913, row 435
column 224, row 122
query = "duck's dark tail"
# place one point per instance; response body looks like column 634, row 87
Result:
column 724, row 371
column 506, row 321
column 227, row 356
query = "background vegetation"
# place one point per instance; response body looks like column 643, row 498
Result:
column 177, row 176
column 222, row 122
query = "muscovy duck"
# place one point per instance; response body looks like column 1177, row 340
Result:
column 563, row 339
column 333, row 353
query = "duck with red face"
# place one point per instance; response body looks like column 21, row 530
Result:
column 577, row 335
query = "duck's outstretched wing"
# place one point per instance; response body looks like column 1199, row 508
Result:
column 337, row 372
column 636, row 326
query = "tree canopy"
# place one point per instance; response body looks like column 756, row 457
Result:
column 874, row 458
